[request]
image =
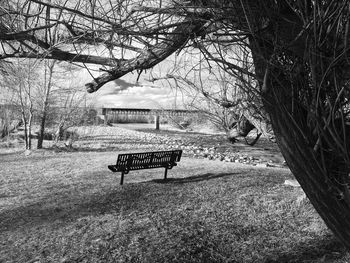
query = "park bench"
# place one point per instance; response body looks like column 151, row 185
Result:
column 146, row 160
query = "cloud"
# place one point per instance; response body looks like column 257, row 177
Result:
column 116, row 86
column 128, row 92
column 124, row 94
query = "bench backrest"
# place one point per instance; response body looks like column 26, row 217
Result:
column 136, row 161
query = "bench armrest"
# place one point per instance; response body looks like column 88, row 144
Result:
column 113, row 168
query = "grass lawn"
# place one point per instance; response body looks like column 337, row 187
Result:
column 59, row 206
column 68, row 207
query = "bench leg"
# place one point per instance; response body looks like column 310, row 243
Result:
column 165, row 173
column 122, row 178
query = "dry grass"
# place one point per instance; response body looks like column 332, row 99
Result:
column 58, row 206
column 67, row 207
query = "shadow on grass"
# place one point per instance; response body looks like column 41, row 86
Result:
column 193, row 179
column 117, row 147
column 326, row 249
column 60, row 208
column 64, row 206
column 178, row 132
column 16, row 152
column 20, row 157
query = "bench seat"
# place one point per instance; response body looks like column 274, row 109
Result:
column 146, row 160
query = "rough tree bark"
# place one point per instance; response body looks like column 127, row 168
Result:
column 296, row 141
column 321, row 170
column 306, row 165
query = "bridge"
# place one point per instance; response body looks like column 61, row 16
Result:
column 111, row 114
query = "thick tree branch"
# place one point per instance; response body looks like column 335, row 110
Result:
column 66, row 56
column 153, row 55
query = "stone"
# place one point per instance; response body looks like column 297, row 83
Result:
column 292, row 182
column 261, row 165
column 300, row 199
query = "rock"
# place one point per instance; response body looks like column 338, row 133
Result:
column 227, row 159
column 300, row 199
column 261, row 165
column 292, row 182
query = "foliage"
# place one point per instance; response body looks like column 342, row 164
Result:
column 37, row 90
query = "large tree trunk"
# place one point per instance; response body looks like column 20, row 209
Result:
column 330, row 202
column 324, row 180
column 304, row 92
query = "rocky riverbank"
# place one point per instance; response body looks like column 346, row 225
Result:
column 210, row 146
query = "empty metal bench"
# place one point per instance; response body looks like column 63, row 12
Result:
column 146, row 160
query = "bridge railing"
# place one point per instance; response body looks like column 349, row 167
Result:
column 111, row 114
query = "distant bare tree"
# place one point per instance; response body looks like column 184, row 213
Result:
column 21, row 81
column 45, row 97
column 71, row 110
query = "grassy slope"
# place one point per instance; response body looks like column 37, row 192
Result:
column 67, row 207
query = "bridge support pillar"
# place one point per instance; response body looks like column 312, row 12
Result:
column 105, row 116
column 156, row 121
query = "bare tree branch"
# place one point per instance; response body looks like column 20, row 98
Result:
column 152, row 56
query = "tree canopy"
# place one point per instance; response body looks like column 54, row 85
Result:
column 123, row 36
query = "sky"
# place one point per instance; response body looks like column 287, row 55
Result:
column 127, row 92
